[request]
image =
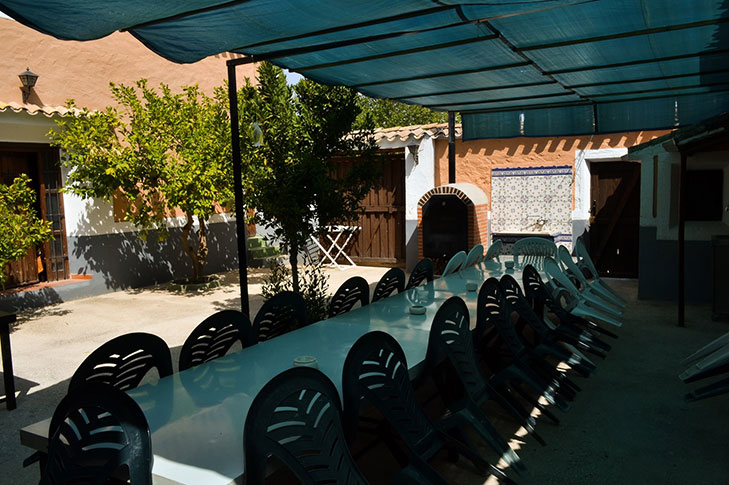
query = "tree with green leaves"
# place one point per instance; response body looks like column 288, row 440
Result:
column 161, row 151
column 386, row 113
column 289, row 180
column 20, row 227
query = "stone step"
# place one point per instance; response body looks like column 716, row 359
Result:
column 265, row 262
column 263, row 252
column 256, row 242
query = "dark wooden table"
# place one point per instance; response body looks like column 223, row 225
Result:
column 5, row 320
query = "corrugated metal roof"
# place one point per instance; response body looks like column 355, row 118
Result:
column 438, row 131
column 34, row 109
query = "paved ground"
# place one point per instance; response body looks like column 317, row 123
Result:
column 629, row 425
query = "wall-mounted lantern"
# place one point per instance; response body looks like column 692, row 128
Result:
column 413, row 150
column 28, row 78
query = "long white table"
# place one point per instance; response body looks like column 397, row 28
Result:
column 196, row 416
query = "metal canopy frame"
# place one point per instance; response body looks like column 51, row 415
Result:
column 562, row 67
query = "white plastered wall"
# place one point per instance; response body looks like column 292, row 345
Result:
column 667, row 193
column 84, row 217
column 419, row 178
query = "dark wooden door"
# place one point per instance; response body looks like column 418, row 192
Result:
column 613, row 236
column 24, row 270
column 40, row 162
column 381, row 239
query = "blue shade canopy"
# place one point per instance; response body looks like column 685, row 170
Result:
column 512, row 68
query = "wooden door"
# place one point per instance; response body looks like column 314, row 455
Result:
column 615, row 213
column 55, row 252
column 40, row 162
column 381, row 239
column 24, row 270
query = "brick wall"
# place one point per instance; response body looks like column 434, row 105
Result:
column 477, row 215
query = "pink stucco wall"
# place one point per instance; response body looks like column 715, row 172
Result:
column 475, row 159
column 83, row 70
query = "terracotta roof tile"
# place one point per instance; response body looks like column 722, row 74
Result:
column 34, row 109
column 415, row 132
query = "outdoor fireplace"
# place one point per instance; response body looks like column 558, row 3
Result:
column 451, row 218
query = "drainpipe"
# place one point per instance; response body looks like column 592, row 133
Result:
column 240, row 215
column 451, row 147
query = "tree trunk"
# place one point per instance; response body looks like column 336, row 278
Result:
column 188, row 250
column 202, row 248
column 294, row 260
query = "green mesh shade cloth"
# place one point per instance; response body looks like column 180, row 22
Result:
column 512, row 68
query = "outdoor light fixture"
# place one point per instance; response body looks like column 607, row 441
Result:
column 413, row 149
column 28, row 78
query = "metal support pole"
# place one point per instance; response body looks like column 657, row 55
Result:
column 682, row 243
column 240, row 216
column 8, row 377
column 451, row 147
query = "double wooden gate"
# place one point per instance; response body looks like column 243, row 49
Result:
column 381, row 239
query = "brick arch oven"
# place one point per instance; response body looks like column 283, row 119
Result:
column 451, row 218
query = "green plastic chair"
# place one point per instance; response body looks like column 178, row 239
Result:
column 455, row 264
column 533, row 250
column 585, row 262
column 475, row 255
column 592, row 287
column 494, row 251
column 579, row 305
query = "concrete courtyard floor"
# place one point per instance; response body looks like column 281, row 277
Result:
column 628, row 425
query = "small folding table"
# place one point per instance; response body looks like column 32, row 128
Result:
column 339, row 237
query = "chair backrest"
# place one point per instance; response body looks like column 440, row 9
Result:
column 455, row 263
column 376, row 370
column 475, row 255
column 355, row 289
column 215, row 336
column 584, row 258
column 515, row 297
column 494, row 251
column 97, row 432
column 533, row 250
column 423, row 271
column 450, row 336
column 391, row 282
column 296, row 417
column 534, row 289
column 282, row 313
column 567, row 261
column 555, row 272
column 493, row 309
column 124, row 361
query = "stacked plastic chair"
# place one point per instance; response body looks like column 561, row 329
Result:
column 451, row 341
column 585, row 263
column 513, row 369
column 375, row 371
column 548, row 342
column 709, row 361
column 579, row 304
column 580, row 332
column 593, row 293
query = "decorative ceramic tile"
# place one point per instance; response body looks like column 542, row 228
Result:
column 533, row 200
